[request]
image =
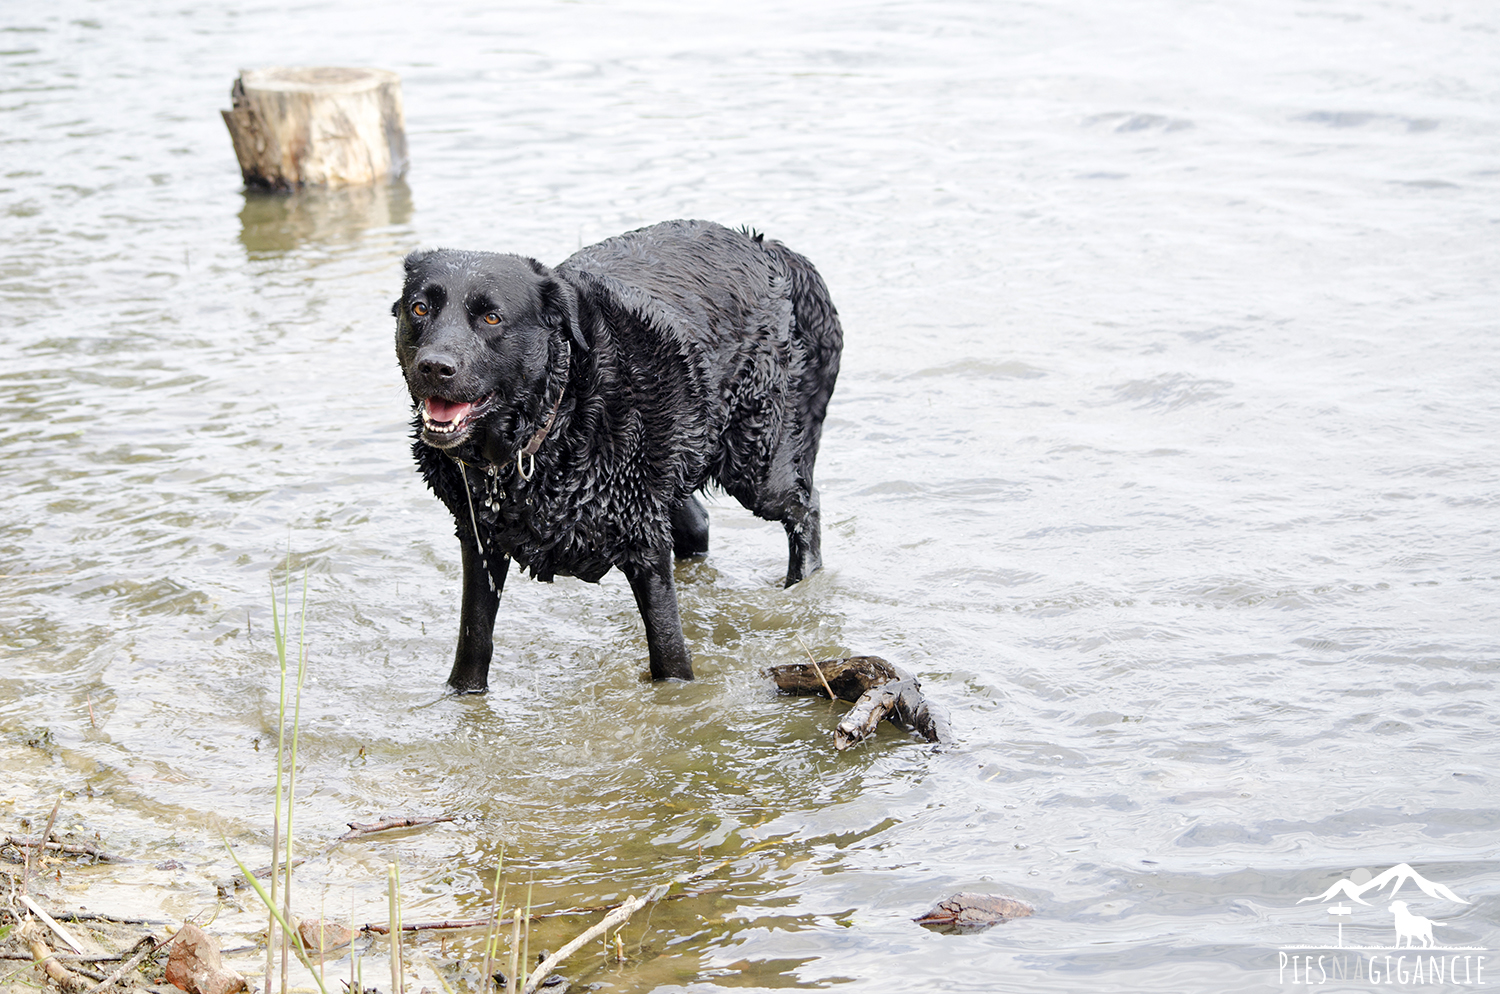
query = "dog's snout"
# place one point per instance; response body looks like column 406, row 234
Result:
column 437, row 367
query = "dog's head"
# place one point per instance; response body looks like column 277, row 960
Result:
column 474, row 333
column 1397, row 907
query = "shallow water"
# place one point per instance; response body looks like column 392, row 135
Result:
column 1164, row 450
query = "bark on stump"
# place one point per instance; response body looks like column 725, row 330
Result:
column 317, row 127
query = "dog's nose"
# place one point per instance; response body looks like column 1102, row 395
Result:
column 437, row 367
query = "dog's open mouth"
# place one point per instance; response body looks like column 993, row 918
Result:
column 447, row 422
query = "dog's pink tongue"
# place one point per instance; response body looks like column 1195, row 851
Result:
column 440, row 410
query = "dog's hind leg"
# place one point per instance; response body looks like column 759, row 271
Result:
column 786, row 494
column 483, row 583
column 790, row 497
column 804, row 536
column 689, row 529
column 657, row 598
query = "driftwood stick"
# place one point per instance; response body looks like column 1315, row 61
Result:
column 900, row 701
column 617, row 917
column 61, row 975
column 877, row 689
column 847, row 679
column 860, row 722
column 67, row 848
column 51, row 923
column 97, row 916
column 358, row 830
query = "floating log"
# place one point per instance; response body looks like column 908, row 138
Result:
column 877, row 689
column 296, row 127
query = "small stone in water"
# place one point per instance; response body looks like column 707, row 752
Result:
column 967, row 911
column 320, row 936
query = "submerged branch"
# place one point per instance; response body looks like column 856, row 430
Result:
column 358, row 830
column 617, row 917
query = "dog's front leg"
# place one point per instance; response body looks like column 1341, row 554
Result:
column 476, row 631
column 657, row 598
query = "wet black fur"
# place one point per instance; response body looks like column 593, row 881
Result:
column 685, row 353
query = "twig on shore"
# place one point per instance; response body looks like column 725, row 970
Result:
column 358, row 830
column 51, row 923
column 94, row 916
column 65, row 848
column 73, row 957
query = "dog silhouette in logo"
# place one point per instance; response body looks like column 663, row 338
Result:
column 1410, row 926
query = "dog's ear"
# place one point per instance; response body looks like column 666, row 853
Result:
column 560, row 309
column 418, row 257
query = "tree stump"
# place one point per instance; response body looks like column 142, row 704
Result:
column 317, row 127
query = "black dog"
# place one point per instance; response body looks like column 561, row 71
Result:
column 565, row 416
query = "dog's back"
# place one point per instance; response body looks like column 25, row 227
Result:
column 762, row 336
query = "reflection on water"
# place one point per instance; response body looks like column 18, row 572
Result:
column 1163, row 451
column 275, row 223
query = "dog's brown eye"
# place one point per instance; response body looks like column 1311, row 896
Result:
column 492, row 318
column 419, row 309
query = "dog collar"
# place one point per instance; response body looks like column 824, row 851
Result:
column 528, row 452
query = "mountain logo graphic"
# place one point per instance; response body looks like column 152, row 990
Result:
column 1352, row 887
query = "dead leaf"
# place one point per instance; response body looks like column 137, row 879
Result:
column 196, row 966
